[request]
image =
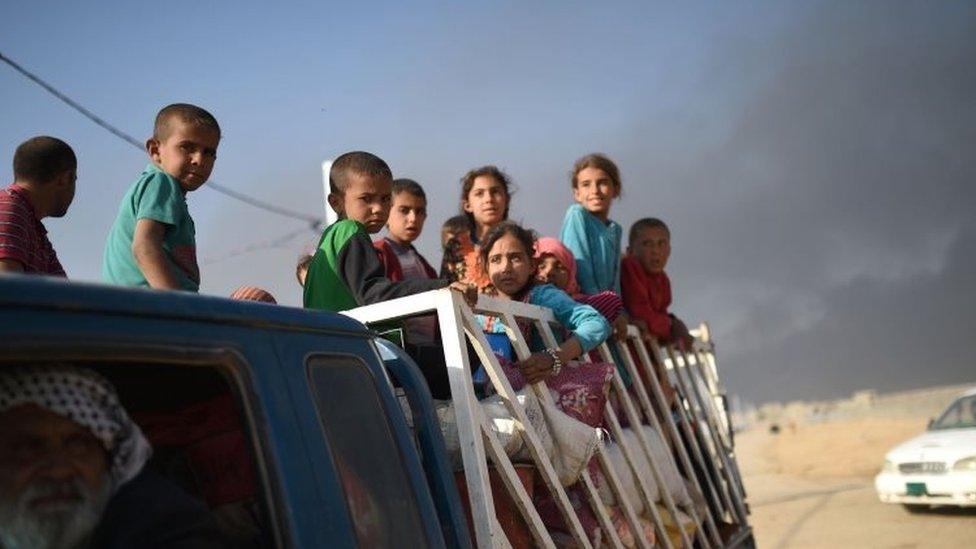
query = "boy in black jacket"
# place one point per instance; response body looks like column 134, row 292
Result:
column 345, row 272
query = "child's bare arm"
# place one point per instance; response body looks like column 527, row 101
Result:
column 539, row 366
column 147, row 249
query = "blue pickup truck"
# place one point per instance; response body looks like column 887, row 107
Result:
column 305, row 429
column 285, row 414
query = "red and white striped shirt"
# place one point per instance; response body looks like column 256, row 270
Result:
column 22, row 236
column 606, row 303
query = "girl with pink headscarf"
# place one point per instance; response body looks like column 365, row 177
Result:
column 557, row 266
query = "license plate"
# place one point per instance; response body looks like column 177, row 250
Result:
column 915, row 489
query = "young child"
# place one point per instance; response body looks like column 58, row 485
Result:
column 153, row 240
column 580, row 388
column 345, row 271
column 453, row 228
column 507, row 252
column 451, row 233
column 401, row 260
column 486, row 193
column 587, row 228
column 407, row 216
column 555, row 265
column 646, row 287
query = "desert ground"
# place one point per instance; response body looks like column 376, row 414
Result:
column 811, row 485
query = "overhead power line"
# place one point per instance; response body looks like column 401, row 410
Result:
column 268, row 244
column 313, row 221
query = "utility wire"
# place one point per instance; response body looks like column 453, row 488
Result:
column 313, row 222
column 270, row 243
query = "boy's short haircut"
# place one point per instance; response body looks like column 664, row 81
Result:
column 190, row 114
column 358, row 162
column 643, row 225
column 408, row 186
column 40, row 159
column 601, row 162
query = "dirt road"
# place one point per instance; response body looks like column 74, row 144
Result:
column 812, row 486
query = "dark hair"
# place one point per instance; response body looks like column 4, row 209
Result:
column 601, row 162
column 41, row 159
column 467, row 182
column 408, row 186
column 451, row 247
column 643, row 225
column 457, row 223
column 526, row 237
column 358, row 162
column 191, row 114
column 304, row 261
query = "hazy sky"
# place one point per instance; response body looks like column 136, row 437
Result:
column 816, row 162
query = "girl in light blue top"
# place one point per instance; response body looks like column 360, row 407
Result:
column 587, row 229
column 507, row 253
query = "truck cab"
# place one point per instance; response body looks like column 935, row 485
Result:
column 283, row 421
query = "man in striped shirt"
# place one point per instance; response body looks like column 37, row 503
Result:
column 45, row 171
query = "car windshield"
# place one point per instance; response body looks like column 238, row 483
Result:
column 960, row 414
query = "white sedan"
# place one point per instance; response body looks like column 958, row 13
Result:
column 937, row 467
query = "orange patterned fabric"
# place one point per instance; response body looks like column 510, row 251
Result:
column 465, row 264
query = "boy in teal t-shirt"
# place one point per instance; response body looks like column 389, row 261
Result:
column 153, row 240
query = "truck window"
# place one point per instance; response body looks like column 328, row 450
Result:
column 202, row 449
column 381, row 502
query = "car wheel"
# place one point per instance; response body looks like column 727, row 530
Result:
column 915, row 508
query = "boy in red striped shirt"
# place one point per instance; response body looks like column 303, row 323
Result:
column 45, row 172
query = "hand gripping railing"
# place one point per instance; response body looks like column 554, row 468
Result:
column 479, row 442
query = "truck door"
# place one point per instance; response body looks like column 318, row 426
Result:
column 358, row 440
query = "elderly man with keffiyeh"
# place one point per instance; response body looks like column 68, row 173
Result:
column 72, row 469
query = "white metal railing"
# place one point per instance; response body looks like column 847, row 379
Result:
column 704, row 446
column 686, row 369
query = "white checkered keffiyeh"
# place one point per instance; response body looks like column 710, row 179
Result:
column 88, row 399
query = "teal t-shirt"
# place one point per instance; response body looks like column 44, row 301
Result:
column 158, row 196
column 596, row 247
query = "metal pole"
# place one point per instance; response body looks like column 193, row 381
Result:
column 330, row 215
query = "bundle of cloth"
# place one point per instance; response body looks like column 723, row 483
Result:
column 672, row 482
column 569, row 443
